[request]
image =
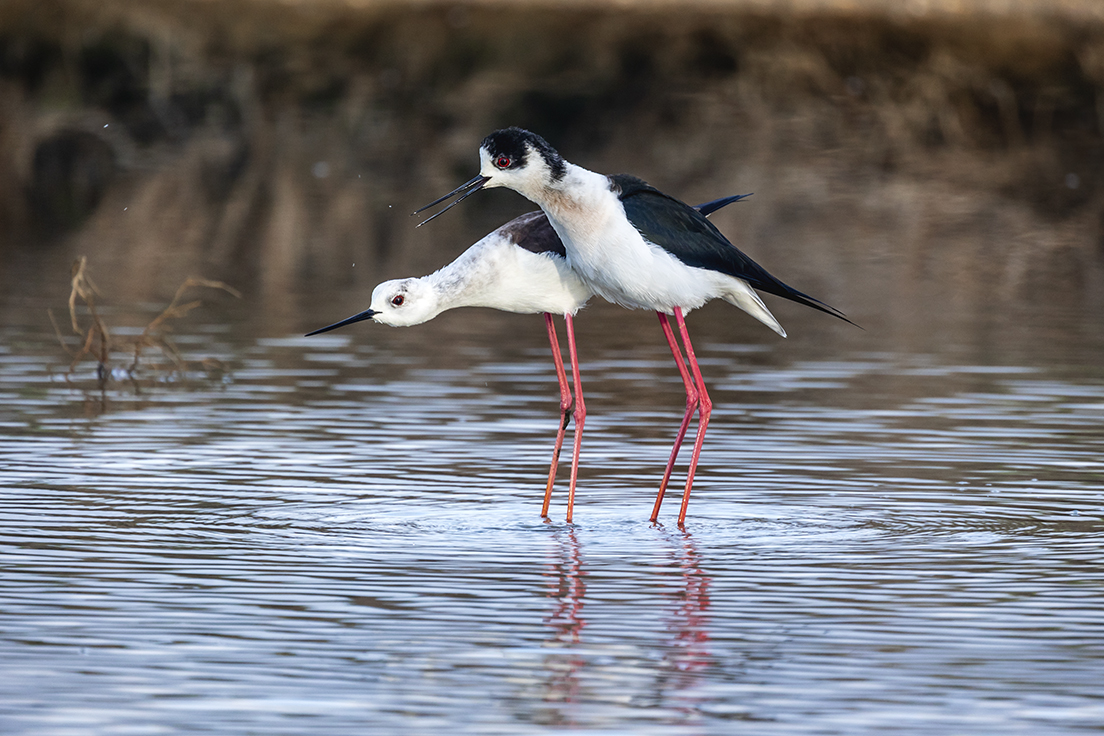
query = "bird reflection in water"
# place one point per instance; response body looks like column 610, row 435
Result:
column 679, row 649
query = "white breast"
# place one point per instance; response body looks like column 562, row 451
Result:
column 612, row 257
column 621, row 266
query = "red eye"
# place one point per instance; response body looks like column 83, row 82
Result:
column 398, row 300
column 503, row 162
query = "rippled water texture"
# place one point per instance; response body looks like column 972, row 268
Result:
column 339, row 535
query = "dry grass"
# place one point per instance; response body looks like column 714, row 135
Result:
column 96, row 341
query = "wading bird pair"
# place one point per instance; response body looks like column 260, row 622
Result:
column 613, row 236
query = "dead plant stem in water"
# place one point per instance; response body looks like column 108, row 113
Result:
column 96, row 340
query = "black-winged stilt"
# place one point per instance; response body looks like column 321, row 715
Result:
column 520, row 267
column 635, row 246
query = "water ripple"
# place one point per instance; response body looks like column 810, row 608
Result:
column 337, row 535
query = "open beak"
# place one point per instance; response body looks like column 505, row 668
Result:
column 366, row 314
column 464, row 190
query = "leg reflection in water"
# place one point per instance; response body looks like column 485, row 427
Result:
column 567, row 587
column 687, row 652
column 656, row 655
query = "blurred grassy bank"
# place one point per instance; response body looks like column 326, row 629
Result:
column 915, row 158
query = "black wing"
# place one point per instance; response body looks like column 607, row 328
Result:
column 708, row 208
column 533, row 232
column 686, row 234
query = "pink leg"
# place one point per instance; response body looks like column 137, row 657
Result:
column 691, row 406
column 706, row 408
column 580, row 413
column 565, row 412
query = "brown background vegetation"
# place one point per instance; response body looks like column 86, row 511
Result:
column 928, row 158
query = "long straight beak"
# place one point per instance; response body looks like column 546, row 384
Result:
column 464, row 190
column 366, row 314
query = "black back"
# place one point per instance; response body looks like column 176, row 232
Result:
column 686, row 234
column 533, row 232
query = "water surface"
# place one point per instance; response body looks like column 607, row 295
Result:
column 341, row 534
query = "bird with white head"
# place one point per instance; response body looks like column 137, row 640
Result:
column 520, row 267
column 638, row 247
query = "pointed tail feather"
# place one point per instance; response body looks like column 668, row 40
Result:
column 778, row 288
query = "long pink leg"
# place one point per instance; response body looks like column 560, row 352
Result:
column 691, row 406
column 565, row 412
column 706, row 408
column 580, row 413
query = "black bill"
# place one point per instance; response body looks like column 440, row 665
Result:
column 366, row 314
column 464, row 190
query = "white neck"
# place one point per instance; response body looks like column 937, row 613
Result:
column 580, row 201
column 462, row 283
column 576, row 190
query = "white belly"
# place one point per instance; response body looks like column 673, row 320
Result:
column 615, row 261
column 621, row 267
